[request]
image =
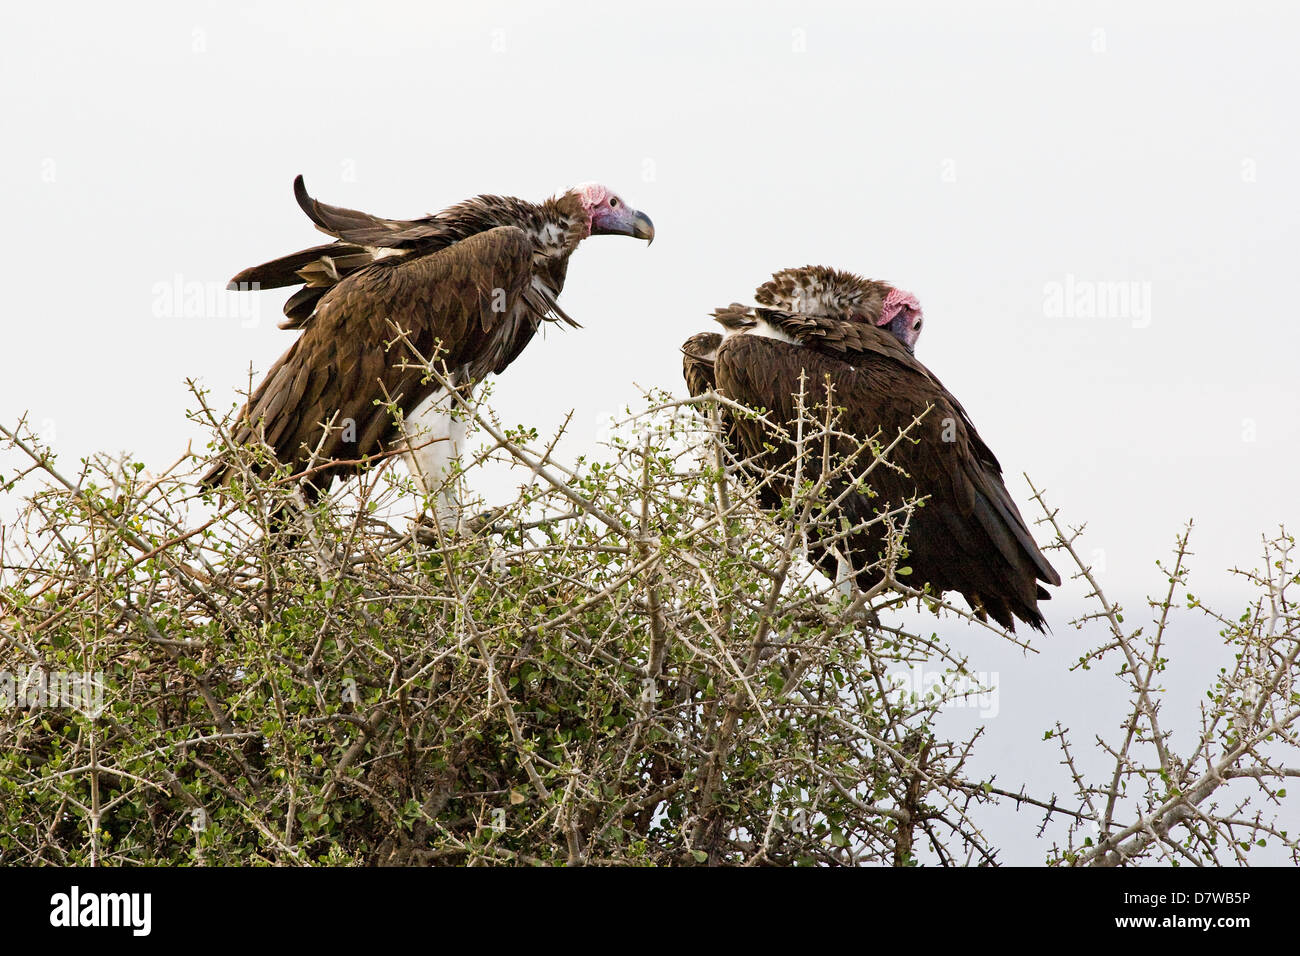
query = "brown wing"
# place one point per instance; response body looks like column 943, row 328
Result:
column 837, row 337
column 858, row 342
column 969, row 536
column 473, row 299
column 362, row 228
column 359, row 235
column 698, row 353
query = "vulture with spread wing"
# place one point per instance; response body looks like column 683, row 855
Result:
column 855, row 338
column 472, row 284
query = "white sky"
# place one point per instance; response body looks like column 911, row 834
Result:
column 973, row 154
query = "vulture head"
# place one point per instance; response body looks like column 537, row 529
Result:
column 833, row 293
column 609, row 215
column 901, row 314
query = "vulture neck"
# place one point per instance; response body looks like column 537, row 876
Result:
column 560, row 225
column 555, row 226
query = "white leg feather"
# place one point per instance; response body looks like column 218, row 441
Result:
column 436, row 437
column 843, row 575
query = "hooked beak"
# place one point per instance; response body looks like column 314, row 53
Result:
column 643, row 228
column 638, row 226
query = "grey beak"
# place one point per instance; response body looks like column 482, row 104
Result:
column 643, row 228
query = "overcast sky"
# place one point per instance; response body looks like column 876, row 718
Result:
column 1096, row 205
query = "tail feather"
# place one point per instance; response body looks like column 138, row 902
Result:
column 317, row 270
column 284, row 271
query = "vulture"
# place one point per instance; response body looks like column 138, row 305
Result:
column 855, row 339
column 472, row 284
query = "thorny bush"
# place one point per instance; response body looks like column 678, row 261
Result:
column 631, row 663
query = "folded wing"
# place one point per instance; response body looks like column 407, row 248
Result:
column 471, row 303
column 969, row 535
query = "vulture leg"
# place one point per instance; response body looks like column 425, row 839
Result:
column 844, row 575
column 436, row 434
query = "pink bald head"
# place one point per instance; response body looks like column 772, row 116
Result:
column 901, row 314
column 610, row 215
column 592, row 195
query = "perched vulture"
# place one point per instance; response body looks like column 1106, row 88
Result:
column 854, row 338
column 472, row 283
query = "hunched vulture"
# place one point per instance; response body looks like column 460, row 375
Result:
column 854, row 339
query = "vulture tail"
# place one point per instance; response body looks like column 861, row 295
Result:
column 284, row 271
column 317, row 270
column 1008, row 588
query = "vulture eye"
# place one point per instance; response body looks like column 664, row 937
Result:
column 916, row 326
column 613, row 201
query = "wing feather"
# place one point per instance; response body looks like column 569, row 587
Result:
column 969, row 536
column 362, row 228
column 464, row 299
